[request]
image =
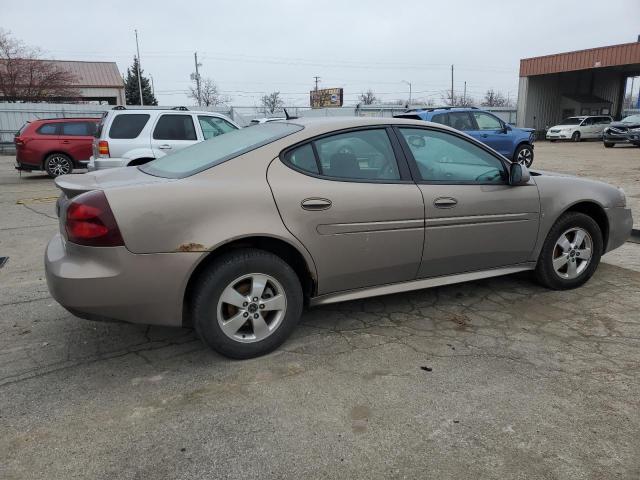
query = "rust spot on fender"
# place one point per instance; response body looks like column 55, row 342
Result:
column 191, row 247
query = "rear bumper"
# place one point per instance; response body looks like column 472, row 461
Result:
column 112, row 283
column 103, row 163
column 620, row 225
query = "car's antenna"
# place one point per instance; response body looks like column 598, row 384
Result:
column 286, row 114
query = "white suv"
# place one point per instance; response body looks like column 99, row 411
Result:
column 579, row 128
column 127, row 137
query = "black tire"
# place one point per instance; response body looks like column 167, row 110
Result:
column 576, row 137
column 608, row 145
column 553, row 141
column 546, row 274
column 222, row 272
column 526, row 151
column 58, row 164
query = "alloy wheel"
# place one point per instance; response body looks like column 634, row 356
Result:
column 572, row 253
column 525, row 157
column 251, row 307
column 58, row 165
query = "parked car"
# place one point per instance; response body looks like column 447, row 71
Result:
column 257, row 121
column 579, row 128
column 625, row 131
column 55, row 145
column 514, row 143
column 128, row 137
column 234, row 235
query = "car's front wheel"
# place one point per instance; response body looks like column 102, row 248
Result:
column 247, row 303
column 524, row 155
column 576, row 136
column 58, row 164
column 608, row 145
column 571, row 252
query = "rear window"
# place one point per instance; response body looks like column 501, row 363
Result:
column 128, row 125
column 209, row 153
column 48, row 129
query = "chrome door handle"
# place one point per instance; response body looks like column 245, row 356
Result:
column 316, row 203
column 445, row 202
column 165, row 147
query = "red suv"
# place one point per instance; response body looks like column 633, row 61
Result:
column 56, row 145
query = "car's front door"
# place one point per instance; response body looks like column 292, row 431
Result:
column 474, row 220
column 349, row 199
column 173, row 132
column 492, row 131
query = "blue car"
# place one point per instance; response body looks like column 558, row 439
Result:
column 514, row 143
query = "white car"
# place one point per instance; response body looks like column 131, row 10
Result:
column 579, row 128
column 128, row 137
column 258, row 121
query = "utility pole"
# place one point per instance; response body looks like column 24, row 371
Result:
column 153, row 89
column 633, row 80
column 196, row 77
column 408, row 83
column 452, row 101
column 464, row 95
column 139, row 68
column 317, row 79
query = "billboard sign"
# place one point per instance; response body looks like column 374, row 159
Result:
column 327, row 97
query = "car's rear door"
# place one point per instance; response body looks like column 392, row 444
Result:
column 76, row 139
column 474, row 220
column 173, row 132
column 348, row 197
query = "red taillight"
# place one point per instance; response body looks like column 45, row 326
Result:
column 19, row 141
column 103, row 148
column 90, row 221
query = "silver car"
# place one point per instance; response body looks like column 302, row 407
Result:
column 235, row 235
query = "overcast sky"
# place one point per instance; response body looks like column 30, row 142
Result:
column 250, row 47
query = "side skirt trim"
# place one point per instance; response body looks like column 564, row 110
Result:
column 418, row 284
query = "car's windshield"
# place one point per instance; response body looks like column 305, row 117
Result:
column 216, row 150
column 571, row 121
column 631, row 119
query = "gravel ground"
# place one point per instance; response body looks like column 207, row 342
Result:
column 492, row 379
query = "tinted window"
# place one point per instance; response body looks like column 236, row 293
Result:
column 128, row 125
column 587, row 121
column 204, row 155
column 440, row 118
column 460, row 121
column 78, row 128
column 486, row 121
column 604, row 120
column 446, row 158
column 571, row 121
column 175, row 127
column 303, row 158
column 363, row 154
column 48, row 129
column 214, row 126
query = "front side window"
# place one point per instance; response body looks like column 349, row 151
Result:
column 486, row 121
column 358, row 155
column 48, row 129
column 175, row 127
column 78, row 128
column 446, row 158
column 128, row 125
column 214, row 126
column 461, row 121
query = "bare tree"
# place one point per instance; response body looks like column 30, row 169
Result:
column 457, row 100
column 210, row 96
column 26, row 77
column 494, row 98
column 368, row 97
column 271, row 102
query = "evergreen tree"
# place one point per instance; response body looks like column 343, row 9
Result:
column 132, row 90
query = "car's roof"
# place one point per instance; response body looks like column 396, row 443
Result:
column 66, row 119
column 316, row 126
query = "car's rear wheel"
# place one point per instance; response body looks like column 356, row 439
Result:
column 58, row 164
column 575, row 137
column 247, row 303
column 608, row 144
column 571, row 252
column 524, row 155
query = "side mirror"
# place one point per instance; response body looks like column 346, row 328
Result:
column 506, row 127
column 518, row 175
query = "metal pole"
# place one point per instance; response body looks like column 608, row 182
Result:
column 409, row 94
column 139, row 68
column 153, row 89
column 195, row 57
column 464, row 95
column 452, row 102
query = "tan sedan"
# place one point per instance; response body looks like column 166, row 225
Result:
column 235, row 235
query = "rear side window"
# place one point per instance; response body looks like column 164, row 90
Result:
column 441, row 118
column 303, row 158
column 175, row 127
column 460, row 121
column 213, row 126
column 78, row 128
column 128, row 125
column 48, row 129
